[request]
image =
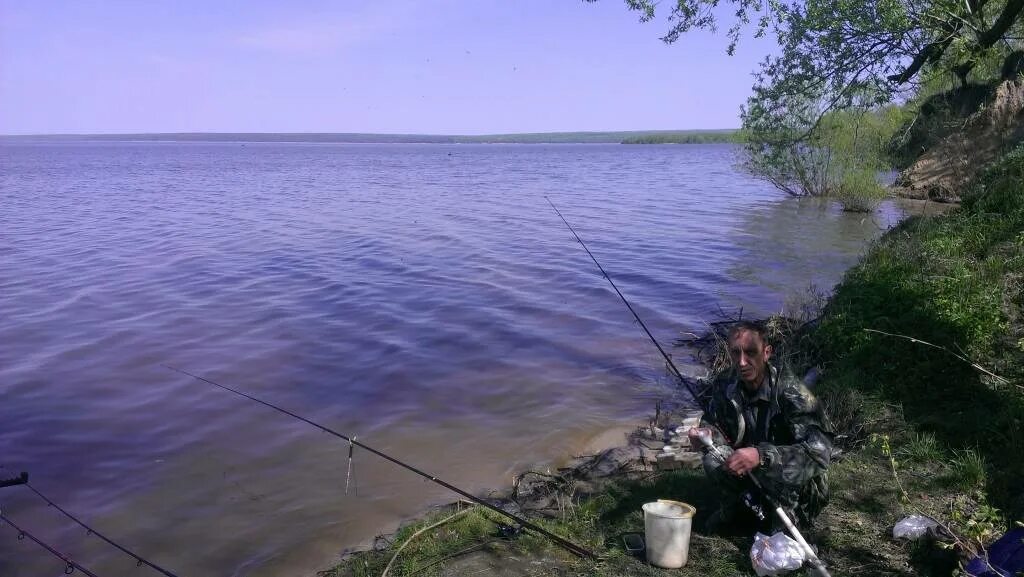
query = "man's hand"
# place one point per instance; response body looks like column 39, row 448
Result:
column 743, row 461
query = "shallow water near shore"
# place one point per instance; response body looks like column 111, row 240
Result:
column 422, row 297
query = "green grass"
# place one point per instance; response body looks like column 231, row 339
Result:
column 597, row 522
column 425, row 553
column 850, row 534
column 921, row 447
column 967, row 470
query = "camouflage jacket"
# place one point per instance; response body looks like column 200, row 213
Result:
column 784, row 420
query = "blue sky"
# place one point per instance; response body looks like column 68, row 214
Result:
column 391, row 66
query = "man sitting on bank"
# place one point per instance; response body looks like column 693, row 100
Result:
column 777, row 430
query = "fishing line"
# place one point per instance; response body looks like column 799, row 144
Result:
column 668, row 359
column 348, row 473
column 69, row 566
column 564, row 543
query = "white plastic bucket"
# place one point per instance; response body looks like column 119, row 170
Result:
column 667, row 532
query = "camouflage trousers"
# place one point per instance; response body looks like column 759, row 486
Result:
column 802, row 501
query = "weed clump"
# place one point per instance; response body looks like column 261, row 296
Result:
column 920, row 448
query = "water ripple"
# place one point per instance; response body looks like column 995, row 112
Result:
column 424, row 297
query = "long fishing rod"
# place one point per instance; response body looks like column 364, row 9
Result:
column 564, row 543
column 69, row 566
column 138, row 559
column 668, row 359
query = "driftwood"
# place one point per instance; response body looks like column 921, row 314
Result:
column 547, row 493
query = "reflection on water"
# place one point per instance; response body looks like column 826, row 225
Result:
column 806, row 244
column 422, row 297
column 799, row 243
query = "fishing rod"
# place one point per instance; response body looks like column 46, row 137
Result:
column 138, row 559
column 564, row 543
column 668, row 359
column 819, row 566
column 22, row 479
column 69, row 566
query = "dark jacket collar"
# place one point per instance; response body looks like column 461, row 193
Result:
column 765, row 392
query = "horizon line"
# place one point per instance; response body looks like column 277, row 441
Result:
column 396, row 134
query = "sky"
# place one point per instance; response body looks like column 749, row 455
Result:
column 382, row 66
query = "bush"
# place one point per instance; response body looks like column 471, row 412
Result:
column 831, row 159
column 858, row 190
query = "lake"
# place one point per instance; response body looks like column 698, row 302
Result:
column 425, row 298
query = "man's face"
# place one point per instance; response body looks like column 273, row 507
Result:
column 750, row 357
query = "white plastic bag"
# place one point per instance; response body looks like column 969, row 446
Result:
column 913, row 527
column 775, row 555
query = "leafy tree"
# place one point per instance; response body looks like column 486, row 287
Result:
column 840, row 55
column 838, row 158
column 846, row 43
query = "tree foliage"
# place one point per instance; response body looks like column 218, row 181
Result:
column 847, row 43
column 839, row 158
column 840, row 55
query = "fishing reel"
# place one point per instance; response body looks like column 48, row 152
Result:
column 752, row 503
column 509, row 531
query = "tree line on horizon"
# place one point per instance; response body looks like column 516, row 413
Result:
column 583, row 137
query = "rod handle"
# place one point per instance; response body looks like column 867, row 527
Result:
column 809, row 553
column 19, row 480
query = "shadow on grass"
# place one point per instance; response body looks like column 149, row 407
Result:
column 691, row 487
column 932, row 561
column 709, row 554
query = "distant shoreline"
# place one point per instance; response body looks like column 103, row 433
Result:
column 621, row 137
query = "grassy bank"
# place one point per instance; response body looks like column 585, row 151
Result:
column 852, row 534
column 922, row 354
column 956, row 285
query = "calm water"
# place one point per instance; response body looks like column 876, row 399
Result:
column 423, row 297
